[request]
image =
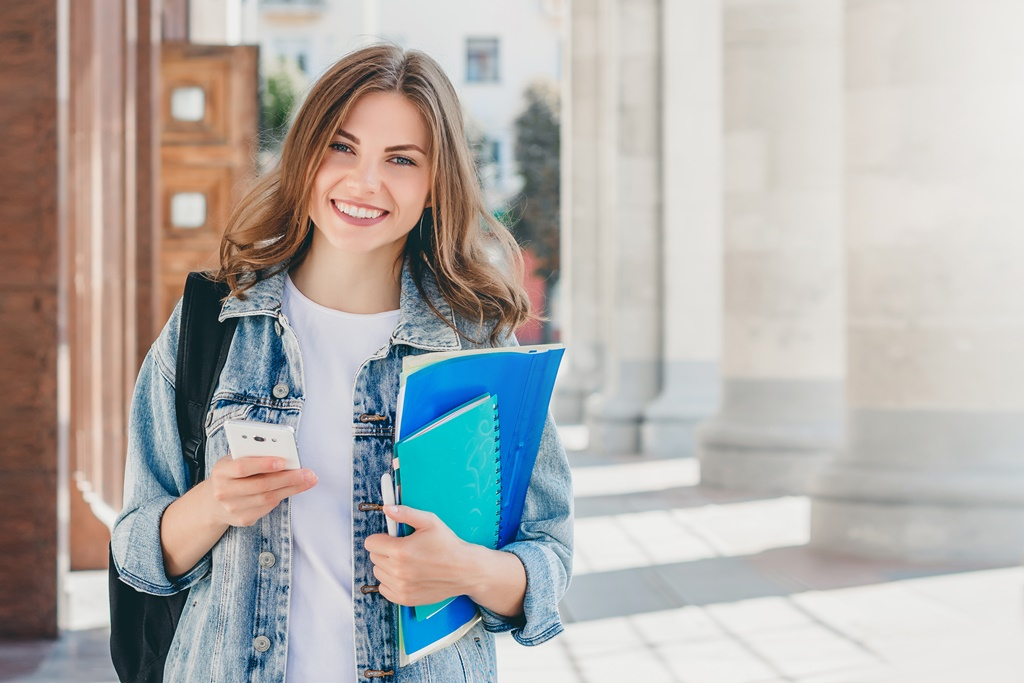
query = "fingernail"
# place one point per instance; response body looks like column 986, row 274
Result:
column 390, row 509
column 309, row 476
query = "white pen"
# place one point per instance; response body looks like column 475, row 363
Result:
column 387, row 492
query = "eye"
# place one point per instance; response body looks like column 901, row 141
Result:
column 340, row 147
column 403, row 161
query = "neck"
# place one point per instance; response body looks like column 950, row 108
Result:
column 354, row 283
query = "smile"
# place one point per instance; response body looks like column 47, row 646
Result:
column 357, row 211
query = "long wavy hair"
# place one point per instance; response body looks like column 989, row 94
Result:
column 474, row 259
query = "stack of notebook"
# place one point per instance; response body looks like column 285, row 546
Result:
column 469, row 426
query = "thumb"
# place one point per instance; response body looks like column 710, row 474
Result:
column 417, row 519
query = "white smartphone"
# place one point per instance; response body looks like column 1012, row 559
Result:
column 261, row 439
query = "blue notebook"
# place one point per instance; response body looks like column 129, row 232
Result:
column 522, row 379
column 451, row 468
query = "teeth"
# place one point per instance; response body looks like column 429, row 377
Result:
column 358, row 212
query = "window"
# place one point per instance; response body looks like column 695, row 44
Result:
column 188, row 210
column 296, row 50
column 188, row 103
column 481, row 60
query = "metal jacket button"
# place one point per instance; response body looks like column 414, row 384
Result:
column 370, row 589
column 278, row 328
column 261, row 643
column 267, row 560
column 280, row 390
column 377, row 673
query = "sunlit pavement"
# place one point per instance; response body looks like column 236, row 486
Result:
column 677, row 583
column 674, row 582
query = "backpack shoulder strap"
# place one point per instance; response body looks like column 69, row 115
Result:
column 203, row 344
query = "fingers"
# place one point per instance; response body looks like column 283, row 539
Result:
column 258, row 484
column 242, row 499
column 417, row 519
column 247, row 510
column 382, row 545
column 250, row 465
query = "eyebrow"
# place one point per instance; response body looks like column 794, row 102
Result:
column 394, row 148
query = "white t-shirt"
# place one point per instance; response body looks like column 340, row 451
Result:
column 333, row 344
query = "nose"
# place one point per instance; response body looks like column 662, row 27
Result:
column 365, row 177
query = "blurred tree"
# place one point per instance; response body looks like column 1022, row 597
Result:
column 536, row 218
column 537, row 146
column 283, row 85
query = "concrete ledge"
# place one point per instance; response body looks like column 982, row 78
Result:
column 690, row 395
column 762, row 470
column 567, row 405
column 614, row 436
column 614, row 417
column 771, row 436
column 669, row 436
column 919, row 533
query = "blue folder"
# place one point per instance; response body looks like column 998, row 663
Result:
column 522, row 379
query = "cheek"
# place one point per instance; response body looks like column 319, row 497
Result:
column 410, row 188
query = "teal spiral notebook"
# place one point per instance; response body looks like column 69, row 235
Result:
column 452, row 467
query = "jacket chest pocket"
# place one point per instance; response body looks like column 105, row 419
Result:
column 226, row 410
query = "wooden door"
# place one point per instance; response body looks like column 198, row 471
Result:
column 209, row 120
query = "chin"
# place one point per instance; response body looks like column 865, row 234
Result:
column 363, row 245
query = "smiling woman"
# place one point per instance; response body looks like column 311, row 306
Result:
column 368, row 243
column 372, row 115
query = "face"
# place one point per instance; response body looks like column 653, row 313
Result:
column 374, row 182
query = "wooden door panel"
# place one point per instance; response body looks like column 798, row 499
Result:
column 209, row 120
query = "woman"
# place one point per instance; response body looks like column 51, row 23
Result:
column 368, row 243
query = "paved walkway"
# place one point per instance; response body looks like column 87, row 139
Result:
column 676, row 583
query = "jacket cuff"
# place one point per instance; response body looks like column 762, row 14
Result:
column 539, row 621
column 138, row 553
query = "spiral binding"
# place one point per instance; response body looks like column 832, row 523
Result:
column 497, row 468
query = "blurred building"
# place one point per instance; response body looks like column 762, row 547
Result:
column 492, row 51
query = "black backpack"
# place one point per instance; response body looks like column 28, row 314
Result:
column 142, row 625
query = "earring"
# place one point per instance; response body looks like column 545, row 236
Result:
column 422, row 216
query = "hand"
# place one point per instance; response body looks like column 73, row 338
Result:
column 244, row 490
column 426, row 567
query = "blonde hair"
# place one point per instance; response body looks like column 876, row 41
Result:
column 475, row 260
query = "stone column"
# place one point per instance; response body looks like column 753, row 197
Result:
column 582, row 218
column 783, row 337
column 631, row 267
column 934, row 468
column 34, row 529
column 692, row 225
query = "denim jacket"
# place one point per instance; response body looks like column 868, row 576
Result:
column 235, row 623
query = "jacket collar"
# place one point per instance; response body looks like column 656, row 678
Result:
column 417, row 324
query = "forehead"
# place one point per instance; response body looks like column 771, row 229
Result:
column 387, row 119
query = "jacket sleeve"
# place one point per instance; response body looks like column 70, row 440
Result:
column 155, row 474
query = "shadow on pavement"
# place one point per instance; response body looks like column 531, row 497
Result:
column 773, row 573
